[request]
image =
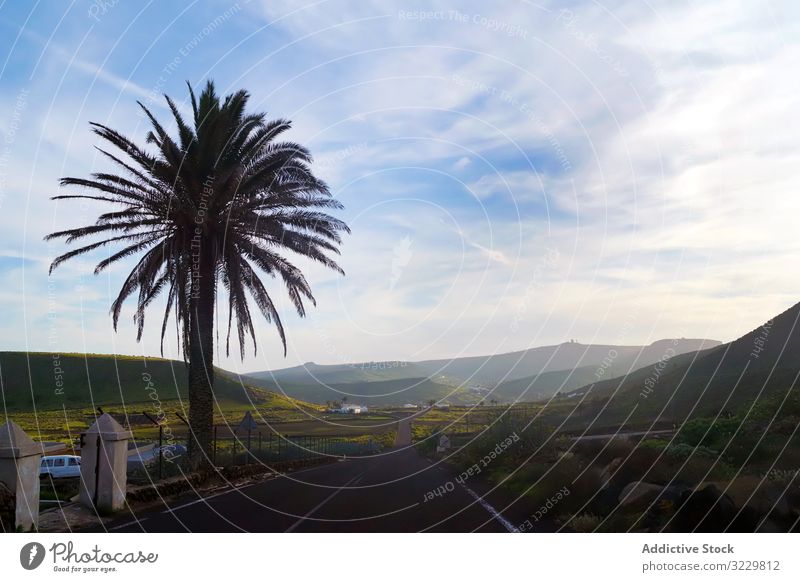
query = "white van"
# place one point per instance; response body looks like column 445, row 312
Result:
column 59, row 466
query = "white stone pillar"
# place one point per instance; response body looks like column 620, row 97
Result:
column 104, row 465
column 20, row 458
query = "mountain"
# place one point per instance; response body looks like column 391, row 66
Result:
column 545, row 385
column 617, row 361
column 311, row 373
column 565, row 356
column 526, row 375
column 379, row 393
column 52, row 381
column 724, row 379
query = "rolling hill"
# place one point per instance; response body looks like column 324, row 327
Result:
column 565, row 356
column 724, row 379
column 544, row 385
column 379, row 393
column 52, row 381
column 617, row 361
column 525, row 375
column 311, row 373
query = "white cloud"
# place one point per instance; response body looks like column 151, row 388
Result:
column 654, row 146
column 462, row 163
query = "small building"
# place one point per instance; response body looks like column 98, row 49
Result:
column 353, row 409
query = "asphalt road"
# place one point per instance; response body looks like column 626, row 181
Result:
column 384, row 493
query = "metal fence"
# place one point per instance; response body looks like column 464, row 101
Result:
column 251, row 447
column 256, row 446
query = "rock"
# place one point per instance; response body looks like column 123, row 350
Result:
column 769, row 526
column 704, row 510
column 608, row 471
column 771, row 500
column 638, row 495
column 764, row 499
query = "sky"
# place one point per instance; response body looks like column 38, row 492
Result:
column 515, row 173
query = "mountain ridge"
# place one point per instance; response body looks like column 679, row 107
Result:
column 523, row 374
column 761, row 363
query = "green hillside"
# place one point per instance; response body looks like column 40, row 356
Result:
column 311, row 373
column 533, row 374
column 498, row 368
column 545, row 385
column 729, row 378
column 52, row 381
column 384, row 393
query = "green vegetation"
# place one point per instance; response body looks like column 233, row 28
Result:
column 34, row 381
column 739, row 469
column 711, row 383
column 372, row 393
column 127, row 386
column 528, row 375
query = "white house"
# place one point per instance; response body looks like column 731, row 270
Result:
column 353, row 409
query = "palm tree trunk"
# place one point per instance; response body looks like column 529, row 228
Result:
column 201, row 363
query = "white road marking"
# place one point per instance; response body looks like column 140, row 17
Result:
column 323, row 502
column 494, row 513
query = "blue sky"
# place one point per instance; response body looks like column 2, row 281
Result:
column 515, row 173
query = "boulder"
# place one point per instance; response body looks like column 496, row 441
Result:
column 638, row 495
column 608, row 471
column 772, row 500
column 705, row 510
column 765, row 499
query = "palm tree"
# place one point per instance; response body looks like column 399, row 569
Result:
column 220, row 203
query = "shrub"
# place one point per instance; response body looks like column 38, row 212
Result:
column 581, row 482
column 696, row 469
column 709, row 432
column 583, row 523
column 684, row 451
column 643, row 464
column 656, row 444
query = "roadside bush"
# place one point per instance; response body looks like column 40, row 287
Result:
column 656, row 444
column 530, row 439
column 583, row 523
column 709, row 432
column 425, row 438
column 522, row 478
column 643, row 464
column 603, row 452
column 684, row 451
column 622, row 522
column 696, row 469
column 582, row 483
